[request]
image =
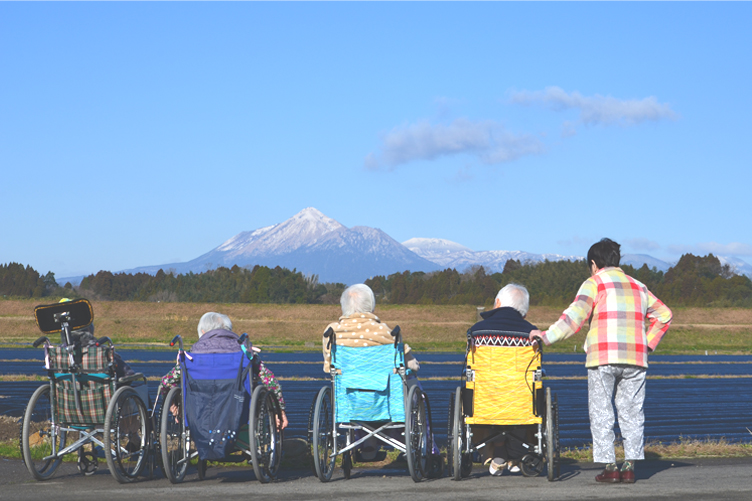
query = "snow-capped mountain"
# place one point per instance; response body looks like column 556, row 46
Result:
column 450, row 254
column 313, row 244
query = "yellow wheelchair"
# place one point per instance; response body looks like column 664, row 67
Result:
column 503, row 391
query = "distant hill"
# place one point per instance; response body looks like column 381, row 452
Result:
column 316, row 244
column 313, row 244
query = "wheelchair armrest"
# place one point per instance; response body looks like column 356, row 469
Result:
column 132, row 378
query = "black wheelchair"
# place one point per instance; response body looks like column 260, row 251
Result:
column 85, row 408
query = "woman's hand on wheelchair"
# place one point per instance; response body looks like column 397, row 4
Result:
column 283, row 424
column 536, row 337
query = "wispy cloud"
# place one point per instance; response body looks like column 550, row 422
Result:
column 597, row 109
column 730, row 249
column 642, row 244
column 487, row 140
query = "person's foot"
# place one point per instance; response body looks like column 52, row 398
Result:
column 627, row 472
column 609, row 475
column 513, row 466
column 496, row 468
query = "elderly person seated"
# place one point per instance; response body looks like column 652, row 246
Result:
column 215, row 336
column 359, row 327
column 510, row 309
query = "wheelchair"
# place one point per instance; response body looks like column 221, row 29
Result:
column 220, row 413
column 85, row 408
column 370, row 397
column 503, row 390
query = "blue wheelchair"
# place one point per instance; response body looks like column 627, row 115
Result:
column 220, row 413
column 370, row 397
column 86, row 408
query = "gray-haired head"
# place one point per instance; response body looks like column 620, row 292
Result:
column 212, row 321
column 514, row 296
column 357, row 298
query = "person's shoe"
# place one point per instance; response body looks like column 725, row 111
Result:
column 627, row 473
column 513, row 467
column 609, row 475
column 496, row 468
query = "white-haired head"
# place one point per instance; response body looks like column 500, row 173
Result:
column 515, row 296
column 357, row 298
column 211, row 321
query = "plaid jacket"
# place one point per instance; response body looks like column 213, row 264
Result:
column 628, row 320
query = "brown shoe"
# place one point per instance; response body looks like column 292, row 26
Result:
column 609, row 477
column 627, row 476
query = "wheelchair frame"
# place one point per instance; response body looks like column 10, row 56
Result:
column 264, row 450
column 543, row 453
column 44, row 434
column 325, row 434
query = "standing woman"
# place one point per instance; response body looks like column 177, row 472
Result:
column 628, row 323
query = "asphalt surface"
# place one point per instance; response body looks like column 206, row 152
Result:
column 679, row 480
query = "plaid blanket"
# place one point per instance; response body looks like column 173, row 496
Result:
column 95, row 396
column 89, row 358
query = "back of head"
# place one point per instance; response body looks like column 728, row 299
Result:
column 514, row 296
column 211, row 321
column 357, row 298
column 605, row 253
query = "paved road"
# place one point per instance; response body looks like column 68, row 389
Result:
column 705, row 479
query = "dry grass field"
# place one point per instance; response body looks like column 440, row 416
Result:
column 437, row 328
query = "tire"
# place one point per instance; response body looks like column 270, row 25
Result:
column 347, row 464
column 38, row 435
column 531, row 465
column 322, row 442
column 202, row 465
column 265, row 437
column 416, row 435
column 550, row 441
column 126, row 435
column 173, row 438
column 457, row 430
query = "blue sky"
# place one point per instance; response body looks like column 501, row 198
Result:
column 135, row 134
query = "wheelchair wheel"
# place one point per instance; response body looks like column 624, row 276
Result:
column 38, row 435
column 126, row 436
column 551, row 439
column 265, row 436
column 531, row 465
column 322, row 443
column 347, row 457
column 173, row 437
column 416, row 434
column 202, row 465
column 459, row 460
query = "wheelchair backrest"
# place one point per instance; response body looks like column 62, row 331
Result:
column 90, row 359
column 205, row 366
column 368, row 388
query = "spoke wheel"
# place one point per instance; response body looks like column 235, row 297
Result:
column 38, row 435
column 126, row 437
column 173, row 437
column 266, row 438
column 550, row 439
column 416, row 434
column 322, row 443
column 459, row 461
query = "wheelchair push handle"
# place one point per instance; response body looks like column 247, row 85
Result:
column 331, row 336
column 538, row 344
column 177, row 339
column 43, row 339
column 105, row 340
column 396, row 335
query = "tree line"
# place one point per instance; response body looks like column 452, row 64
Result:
column 693, row 281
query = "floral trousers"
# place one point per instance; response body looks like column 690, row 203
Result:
column 624, row 387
